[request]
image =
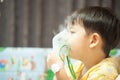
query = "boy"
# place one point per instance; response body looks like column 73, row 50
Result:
column 93, row 32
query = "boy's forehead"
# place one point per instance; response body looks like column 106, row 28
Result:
column 71, row 23
column 74, row 25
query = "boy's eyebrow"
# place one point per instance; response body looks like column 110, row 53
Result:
column 69, row 26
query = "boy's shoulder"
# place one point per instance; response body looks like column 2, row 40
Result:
column 106, row 69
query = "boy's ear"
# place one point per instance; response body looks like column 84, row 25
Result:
column 94, row 40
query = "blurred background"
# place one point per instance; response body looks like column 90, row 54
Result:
column 31, row 23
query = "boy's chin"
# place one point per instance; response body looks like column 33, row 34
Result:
column 73, row 57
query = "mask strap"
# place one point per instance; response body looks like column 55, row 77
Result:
column 68, row 49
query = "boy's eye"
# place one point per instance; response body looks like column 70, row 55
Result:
column 72, row 32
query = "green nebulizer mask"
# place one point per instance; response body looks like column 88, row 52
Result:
column 62, row 47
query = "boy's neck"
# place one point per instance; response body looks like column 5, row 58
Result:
column 89, row 63
column 91, row 60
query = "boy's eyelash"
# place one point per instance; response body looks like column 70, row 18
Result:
column 72, row 32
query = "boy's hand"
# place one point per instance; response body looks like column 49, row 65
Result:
column 53, row 59
column 56, row 64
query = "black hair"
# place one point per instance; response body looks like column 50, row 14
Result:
column 100, row 20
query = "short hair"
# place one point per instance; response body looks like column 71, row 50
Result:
column 100, row 20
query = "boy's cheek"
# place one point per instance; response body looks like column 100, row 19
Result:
column 73, row 52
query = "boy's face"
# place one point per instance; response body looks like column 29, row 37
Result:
column 78, row 40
